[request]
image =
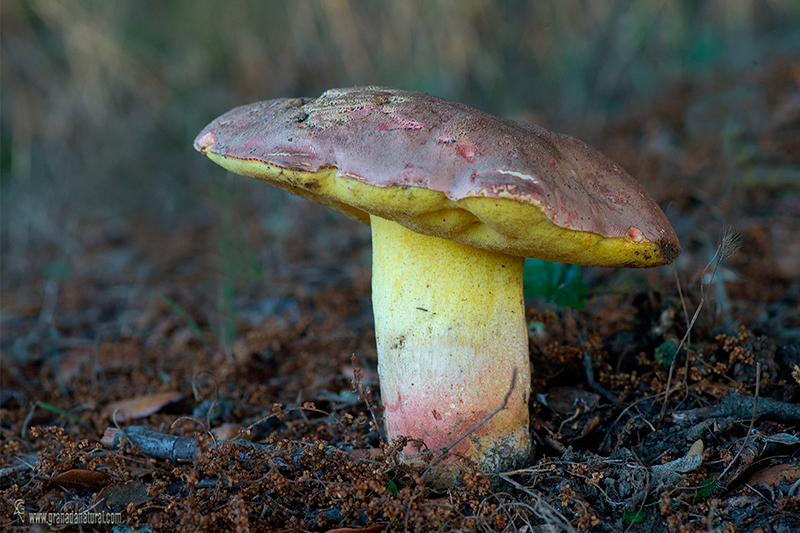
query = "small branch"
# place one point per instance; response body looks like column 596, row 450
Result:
column 153, row 444
column 163, row 446
column 14, row 473
column 185, row 449
column 735, row 405
column 587, row 366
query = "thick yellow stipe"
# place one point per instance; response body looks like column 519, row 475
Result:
column 452, row 342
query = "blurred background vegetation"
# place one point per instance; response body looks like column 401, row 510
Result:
column 101, row 99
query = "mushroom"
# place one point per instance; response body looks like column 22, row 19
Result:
column 456, row 199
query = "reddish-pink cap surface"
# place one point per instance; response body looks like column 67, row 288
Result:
column 401, row 139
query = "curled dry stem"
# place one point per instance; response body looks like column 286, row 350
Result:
column 364, row 395
column 543, row 510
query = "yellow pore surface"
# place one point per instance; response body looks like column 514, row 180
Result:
column 496, row 224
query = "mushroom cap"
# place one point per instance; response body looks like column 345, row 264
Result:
column 444, row 169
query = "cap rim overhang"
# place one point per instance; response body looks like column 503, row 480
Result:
column 575, row 246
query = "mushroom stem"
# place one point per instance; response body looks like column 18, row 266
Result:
column 450, row 328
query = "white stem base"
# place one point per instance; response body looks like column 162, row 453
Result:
column 451, row 333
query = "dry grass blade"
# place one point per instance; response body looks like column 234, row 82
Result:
column 730, row 243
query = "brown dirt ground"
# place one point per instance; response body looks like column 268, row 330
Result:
column 614, row 452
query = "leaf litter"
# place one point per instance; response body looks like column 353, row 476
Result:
column 658, row 406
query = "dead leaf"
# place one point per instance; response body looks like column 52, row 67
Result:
column 564, row 400
column 715, row 389
column 590, row 426
column 140, row 406
column 775, row 475
column 120, row 495
column 697, row 448
column 81, row 479
column 231, row 432
column 688, row 463
column 367, row 453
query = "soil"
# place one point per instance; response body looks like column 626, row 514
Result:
column 119, row 396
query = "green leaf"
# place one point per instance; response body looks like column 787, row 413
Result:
column 706, row 487
column 57, row 270
column 535, row 327
column 392, row 487
column 665, row 352
column 557, row 283
column 633, row 516
column 48, row 407
column 193, row 325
